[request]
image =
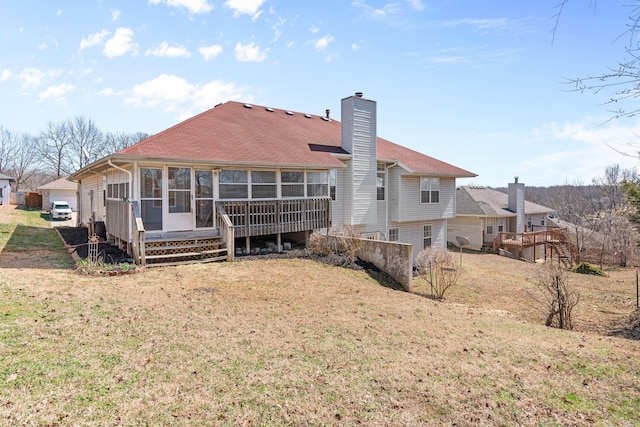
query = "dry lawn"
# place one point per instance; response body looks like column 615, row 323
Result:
column 295, row 342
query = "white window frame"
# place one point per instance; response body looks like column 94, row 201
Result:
column 430, row 187
column 394, row 234
column 381, row 182
column 427, row 236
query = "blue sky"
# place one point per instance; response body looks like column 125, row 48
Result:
column 479, row 84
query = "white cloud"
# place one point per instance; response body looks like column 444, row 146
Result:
column 355, row 46
column 416, row 4
column 59, row 12
column 388, row 10
column 42, row 46
column 481, row 24
column 57, row 93
column 115, row 14
column 171, row 93
column 165, row 51
column 277, row 29
column 120, row 44
column 580, row 151
column 210, row 52
column 249, row 53
column 246, row 7
column 5, row 75
column 106, row 92
column 323, row 42
column 93, row 39
column 32, row 78
column 193, row 6
column 314, row 29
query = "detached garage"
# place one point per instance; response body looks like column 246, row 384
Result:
column 60, row 190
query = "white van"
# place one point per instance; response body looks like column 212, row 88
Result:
column 59, row 210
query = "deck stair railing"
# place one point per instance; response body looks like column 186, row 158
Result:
column 556, row 238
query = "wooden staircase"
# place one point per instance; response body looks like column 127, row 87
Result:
column 563, row 248
column 185, row 249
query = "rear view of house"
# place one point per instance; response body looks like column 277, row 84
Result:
column 243, row 178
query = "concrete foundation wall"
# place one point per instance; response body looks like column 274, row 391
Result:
column 395, row 259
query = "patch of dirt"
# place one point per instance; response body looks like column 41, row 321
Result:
column 78, row 238
column 629, row 327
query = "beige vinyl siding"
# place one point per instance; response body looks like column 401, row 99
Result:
column 412, row 233
column 341, row 207
column 393, row 192
column 91, row 210
column 410, row 208
column 466, row 226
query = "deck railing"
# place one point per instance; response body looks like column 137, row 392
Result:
column 122, row 216
column 528, row 239
column 264, row 217
column 226, row 231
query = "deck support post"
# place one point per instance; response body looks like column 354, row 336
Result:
column 279, row 242
column 247, row 240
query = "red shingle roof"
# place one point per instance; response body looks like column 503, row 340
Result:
column 233, row 133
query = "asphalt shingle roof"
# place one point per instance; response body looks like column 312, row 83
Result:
column 485, row 201
column 233, row 133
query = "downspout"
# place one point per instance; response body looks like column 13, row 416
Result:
column 386, row 199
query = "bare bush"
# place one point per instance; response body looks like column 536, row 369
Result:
column 554, row 296
column 437, row 267
column 351, row 242
column 320, row 245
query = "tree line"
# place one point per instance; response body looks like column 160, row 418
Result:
column 58, row 150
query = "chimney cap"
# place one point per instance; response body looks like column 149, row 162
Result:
column 359, row 94
column 516, row 179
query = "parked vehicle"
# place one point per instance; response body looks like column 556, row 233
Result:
column 59, row 210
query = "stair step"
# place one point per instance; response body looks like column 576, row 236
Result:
column 185, row 254
column 194, row 261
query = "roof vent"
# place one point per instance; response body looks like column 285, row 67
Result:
column 326, row 119
column 289, row 113
column 248, row 106
column 308, row 116
column 269, row 109
column 359, row 94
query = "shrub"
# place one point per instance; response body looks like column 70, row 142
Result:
column 586, row 268
column 437, row 267
column 554, row 295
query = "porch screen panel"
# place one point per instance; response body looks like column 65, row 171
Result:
column 233, row 184
column 151, row 198
column 263, row 185
column 204, row 199
column 317, row 184
column 179, row 190
column 292, row 183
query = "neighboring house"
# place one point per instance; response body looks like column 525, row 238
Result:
column 482, row 213
column 257, row 175
column 60, row 190
column 5, row 189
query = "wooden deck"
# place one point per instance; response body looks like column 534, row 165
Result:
column 555, row 239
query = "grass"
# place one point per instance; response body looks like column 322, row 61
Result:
column 294, row 342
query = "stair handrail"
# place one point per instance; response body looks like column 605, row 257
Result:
column 138, row 243
column 226, row 230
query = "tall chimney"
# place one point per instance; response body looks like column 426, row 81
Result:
column 359, row 137
column 516, row 204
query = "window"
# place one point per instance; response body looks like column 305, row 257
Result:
column 500, row 227
column 151, row 198
column 489, row 229
column 426, row 236
column 394, row 234
column 292, row 183
column 317, row 184
column 263, row 185
column 380, row 180
column 429, row 190
column 332, row 183
column 233, row 184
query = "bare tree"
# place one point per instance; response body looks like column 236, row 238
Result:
column 8, row 144
column 54, row 145
column 86, row 143
column 114, row 142
column 26, row 162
